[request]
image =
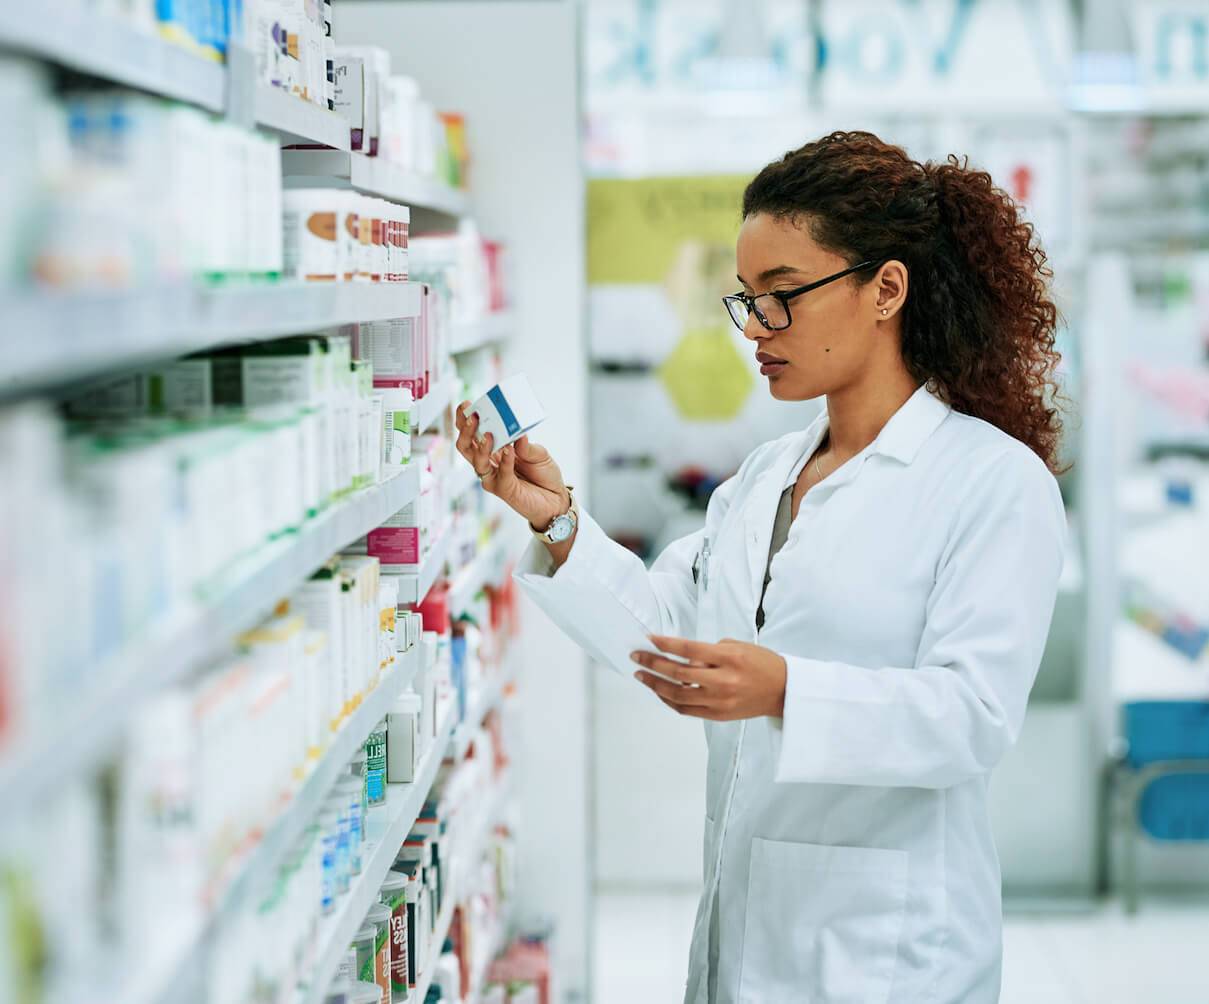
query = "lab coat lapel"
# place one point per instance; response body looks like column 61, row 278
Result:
column 761, row 509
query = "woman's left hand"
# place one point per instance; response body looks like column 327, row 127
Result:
column 733, row 679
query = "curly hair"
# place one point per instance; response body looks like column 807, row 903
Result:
column 978, row 323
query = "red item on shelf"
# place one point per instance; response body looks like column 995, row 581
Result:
column 524, row 960
column 434, row 609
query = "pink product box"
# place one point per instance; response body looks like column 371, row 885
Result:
column 414, row 384
column 397, row 548
column 396, row 543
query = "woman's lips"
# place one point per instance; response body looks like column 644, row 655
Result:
column 770, row 365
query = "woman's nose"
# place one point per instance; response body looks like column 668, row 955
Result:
column 753, row 330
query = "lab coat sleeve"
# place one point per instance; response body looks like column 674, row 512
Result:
column 664, row 598
column 953, row 714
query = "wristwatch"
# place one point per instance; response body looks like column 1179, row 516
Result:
column 561, row 527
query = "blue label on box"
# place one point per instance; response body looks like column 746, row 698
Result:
column 496, row 396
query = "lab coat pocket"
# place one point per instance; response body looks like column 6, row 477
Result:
column 822, row 925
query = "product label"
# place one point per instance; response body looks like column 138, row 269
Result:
column 398, row 944
column 187, row 384
column 322, row 225
column 392, row 348
column 375, row 767
column 278, row 379
column 396, row 436
column 400, row 546
column 349, row 97
column 351, row 244
column 382, row 962
column 328, row 866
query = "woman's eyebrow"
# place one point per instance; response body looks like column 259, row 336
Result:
column 773, row 273
column 780, row 270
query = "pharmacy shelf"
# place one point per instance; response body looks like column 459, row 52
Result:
column 454, row 896
column 414, row 587
column 152, row 984
column 387, row 827
column 482, row 571
column 440, row 932
column 428, row 410
column 497, row 943
column 53, row 339
column 495, row 327
column 373, row 176
column 88, row 724
column 460, row 479
column 113, row 49
column 489, row 697
column 307, row 801
column 298, row 121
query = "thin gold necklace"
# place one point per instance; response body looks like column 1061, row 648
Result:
column 818, row 471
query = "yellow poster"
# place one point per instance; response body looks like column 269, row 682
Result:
column 636, row 227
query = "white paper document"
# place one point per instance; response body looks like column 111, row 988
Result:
column 605, row 628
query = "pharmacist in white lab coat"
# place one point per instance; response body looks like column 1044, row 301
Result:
column 859, row 687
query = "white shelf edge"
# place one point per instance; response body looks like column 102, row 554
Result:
column 90, row 723
column 338, row 930
column 296, row 120
column 117, row 51
column 54, row 338
column 378, row 177
column 495, row 327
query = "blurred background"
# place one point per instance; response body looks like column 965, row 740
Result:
column 572, row 174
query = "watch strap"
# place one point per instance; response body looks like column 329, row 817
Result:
column 572, row 511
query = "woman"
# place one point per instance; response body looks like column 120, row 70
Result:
column 865, row 610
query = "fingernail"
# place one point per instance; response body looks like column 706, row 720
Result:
column 636, row 657
column 638, row 677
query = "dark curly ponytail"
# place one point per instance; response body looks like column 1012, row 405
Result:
column 978, row 324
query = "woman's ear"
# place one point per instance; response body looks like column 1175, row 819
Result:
column 889, row 289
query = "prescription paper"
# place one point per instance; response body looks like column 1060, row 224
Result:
column 598, row 622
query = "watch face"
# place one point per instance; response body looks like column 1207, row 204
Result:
column 561, row 528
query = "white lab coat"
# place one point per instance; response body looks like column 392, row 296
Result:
column 849, row 842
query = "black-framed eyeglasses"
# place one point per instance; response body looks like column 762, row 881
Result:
column 772, row 309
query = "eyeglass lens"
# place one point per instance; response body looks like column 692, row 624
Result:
column 769, row 308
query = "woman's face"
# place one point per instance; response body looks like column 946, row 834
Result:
column 828, row 344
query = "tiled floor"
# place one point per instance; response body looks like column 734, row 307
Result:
column 1099, row 957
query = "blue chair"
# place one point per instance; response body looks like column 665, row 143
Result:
column 1163, row 778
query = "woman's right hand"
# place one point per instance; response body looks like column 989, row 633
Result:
column 523, row 475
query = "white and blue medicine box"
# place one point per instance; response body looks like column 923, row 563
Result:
column 508, row 411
